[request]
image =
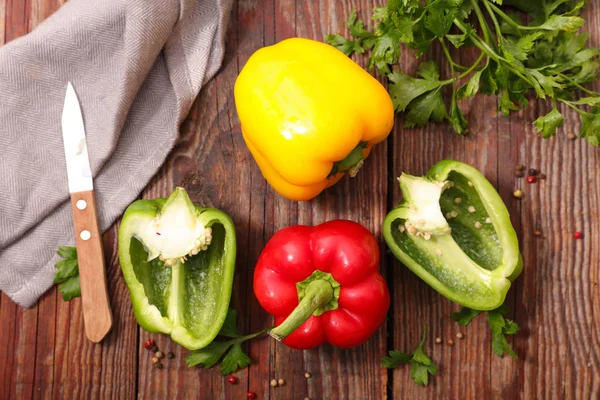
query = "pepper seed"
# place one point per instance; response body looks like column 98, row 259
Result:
column 401, row 228
column 273, row 382
column 454, row 214
column 458, row 200
column 307, row 375
column 459, row 335
column 438, row 252
column 427, row 236
column 471, row 209
column 470, row 183
column 488, row 220
column 478, row 225
column 281, row 382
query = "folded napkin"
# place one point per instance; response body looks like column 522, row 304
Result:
column 137, row 66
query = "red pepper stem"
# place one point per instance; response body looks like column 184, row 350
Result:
column 318, row 294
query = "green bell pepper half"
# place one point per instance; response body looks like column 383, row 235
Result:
column 178, row 260
column 453, row 230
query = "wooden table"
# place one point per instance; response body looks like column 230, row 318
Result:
column 556, row 301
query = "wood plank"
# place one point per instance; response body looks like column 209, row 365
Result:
column 117, row 365
column 17, row 18
column 196, row 163
column 44, row 350
column 2, row 20
column 336, row 373
column 8, row 313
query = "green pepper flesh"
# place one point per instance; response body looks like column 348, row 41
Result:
column 186, row 296
column 471, row 255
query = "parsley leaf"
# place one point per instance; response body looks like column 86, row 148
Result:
column 547, row 57
column 67, row 273
column 499, row 325
column 464, row 316
column 229, row 352
column 547, row 124
column 234, row 360
column 395, row 359
column 590, row 126
column 404, row 89
column 421, row 365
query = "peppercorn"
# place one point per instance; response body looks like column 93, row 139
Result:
column 170, row 355
column 533, row 171
column 149, row 344
column 307, row 375
column 273, row 382
column 519, row 174
column 438, row 340
column 451, row 342
column 307, row 398
column 537, row 233
column 158, row 366
column 159, row 354
column 571, row 136
column 520, row 167
column 541, row 176
column 517, row 194
column 578, row 235
column 531, row 179
column 459, row 335
column 232, row 379
column 281, row 382
column 251, row 395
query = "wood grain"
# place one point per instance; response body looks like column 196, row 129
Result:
column 556, row 301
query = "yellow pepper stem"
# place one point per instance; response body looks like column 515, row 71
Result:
column 352, row 163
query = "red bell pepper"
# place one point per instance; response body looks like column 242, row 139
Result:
column 322, row 284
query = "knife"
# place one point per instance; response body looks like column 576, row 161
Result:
column 97, row 316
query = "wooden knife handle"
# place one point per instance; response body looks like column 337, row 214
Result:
column 97, row 316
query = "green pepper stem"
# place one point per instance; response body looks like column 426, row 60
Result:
column 318, row 294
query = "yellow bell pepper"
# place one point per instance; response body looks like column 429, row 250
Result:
column 309, row 115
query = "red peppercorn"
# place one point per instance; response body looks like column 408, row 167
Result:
column 531, row 179
column 578, row 235
column 232, row 379
column 149, row 344
column 251, row 395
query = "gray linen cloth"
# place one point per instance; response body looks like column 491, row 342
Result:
column 137, row 66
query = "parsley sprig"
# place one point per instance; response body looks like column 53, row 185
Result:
column 229, row 352
column 498, row 323
column 67, row 273
column 547, row 56
column 421, row 365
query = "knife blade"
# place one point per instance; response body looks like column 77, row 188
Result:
column 97, row 315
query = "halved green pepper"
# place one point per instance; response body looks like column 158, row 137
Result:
column 178, row 260
column 453, row 230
